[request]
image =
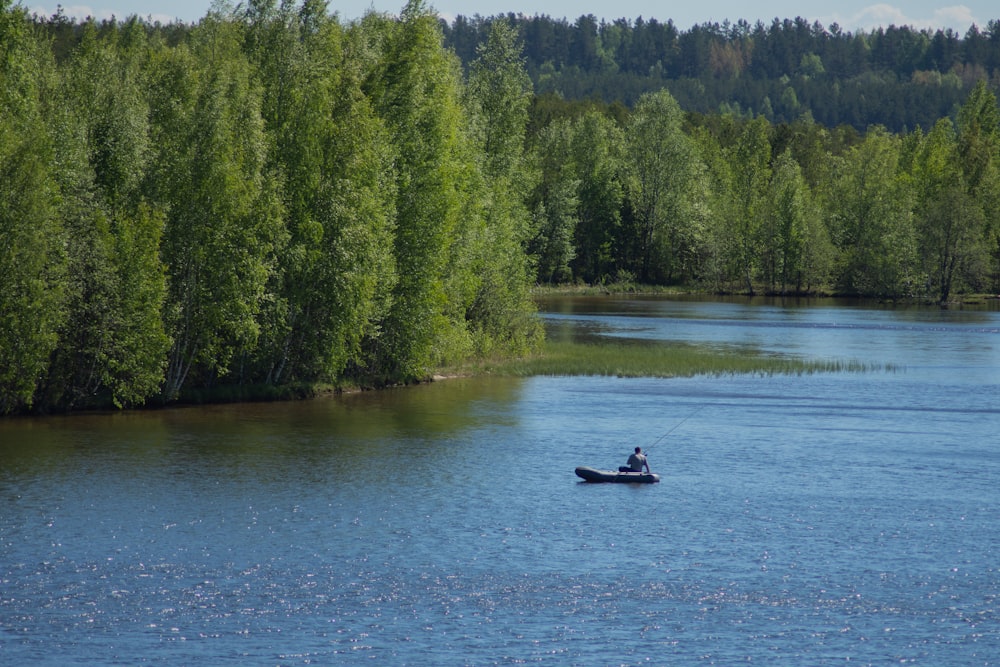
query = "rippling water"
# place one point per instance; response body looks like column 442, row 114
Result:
column 819, row 519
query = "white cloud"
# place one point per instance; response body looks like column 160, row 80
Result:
column 83, row 12
column 956, row 17
column 881, row 14
column 78, row 12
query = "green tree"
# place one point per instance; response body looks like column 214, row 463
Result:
column 869, row 208
column 555, row 205
column 224, row 224
column 32, row 261
column 498, row 93
column 948, row 221
column 135, row 363
column 416, row 88
column 334, row 277
column 664, row 187
column 796, row 249
column 714, row 266
column 113, row 344
column 495, row 279
column 598, row 153
column 979, row 153
column 750, row 169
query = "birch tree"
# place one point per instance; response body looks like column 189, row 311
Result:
column 32, row 259
column 224, row 224
column 416, row 88
column 334, row 278
column 664, row 187
column 871, row 223
column 113, row 344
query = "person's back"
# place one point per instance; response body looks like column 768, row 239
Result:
column 636, row 461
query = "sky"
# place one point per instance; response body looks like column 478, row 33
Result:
column 851, row 15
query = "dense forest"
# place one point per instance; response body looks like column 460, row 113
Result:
column 898, row 77
column 269, row 198
column 273, row 198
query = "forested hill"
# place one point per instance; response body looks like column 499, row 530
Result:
column 898, row 77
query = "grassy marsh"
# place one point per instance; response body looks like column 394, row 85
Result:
column 630, row 359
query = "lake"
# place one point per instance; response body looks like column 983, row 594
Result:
column 817, row 519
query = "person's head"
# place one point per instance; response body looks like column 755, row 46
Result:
column 638, row 450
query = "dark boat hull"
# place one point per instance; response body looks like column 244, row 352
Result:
column 595, row 475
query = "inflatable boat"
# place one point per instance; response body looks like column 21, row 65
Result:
column 595, row 475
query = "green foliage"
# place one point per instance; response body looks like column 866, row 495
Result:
column 664, row 189
column 598, row 154
column 750, row 174
column 266, row 197
column 499, row 92
column 333, row 278
column 113, row 343
column 491, row 270
column 135, row 363
column 870, row 220
column 270, row 198
column 32, row 238
column 796, row 250
column 555, row 204
column 948, row 220
column 224, row 224
column 897, row 77
column 979, row 156
column 416, row 89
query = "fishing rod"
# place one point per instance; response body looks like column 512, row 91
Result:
column 675, row 427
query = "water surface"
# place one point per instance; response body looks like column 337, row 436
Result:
column 816, row 519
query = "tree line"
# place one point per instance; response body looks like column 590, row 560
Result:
column 268, row 197
column 746, row 206
column 271, row 197
column 898, row 77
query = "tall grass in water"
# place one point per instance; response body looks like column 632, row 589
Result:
column 656, row 360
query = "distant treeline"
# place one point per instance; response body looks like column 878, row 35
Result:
column 898, row 77
column 272, row 198
column 738, row 205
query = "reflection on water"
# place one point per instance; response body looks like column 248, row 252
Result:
column 800, row 520
column 347, row 429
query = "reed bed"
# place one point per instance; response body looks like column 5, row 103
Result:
column 630, row 359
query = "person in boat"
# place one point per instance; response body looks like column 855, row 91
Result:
column 636, row 461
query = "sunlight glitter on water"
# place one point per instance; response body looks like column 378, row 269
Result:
column 800, row 520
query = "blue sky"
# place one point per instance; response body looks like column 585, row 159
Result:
column 850, row 14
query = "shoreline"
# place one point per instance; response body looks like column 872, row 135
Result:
column 552, row 359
